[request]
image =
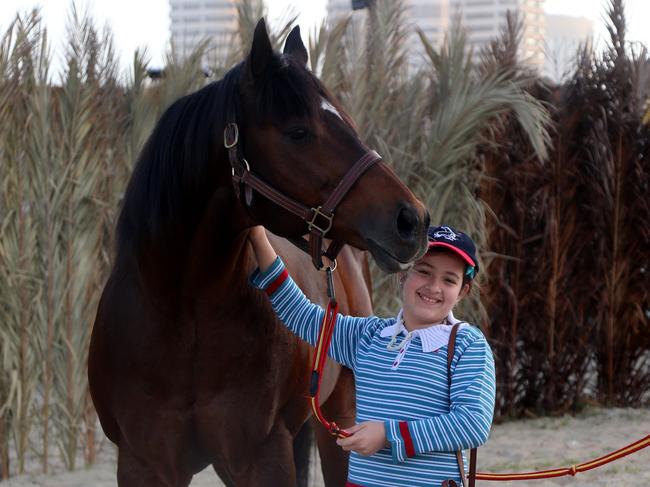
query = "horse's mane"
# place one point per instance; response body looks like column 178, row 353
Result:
column 177, row 169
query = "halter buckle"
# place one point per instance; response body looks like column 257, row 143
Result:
column 311, row 224
column 232, row 130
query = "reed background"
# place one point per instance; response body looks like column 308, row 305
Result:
column 550, row 179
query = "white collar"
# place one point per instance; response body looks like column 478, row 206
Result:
column 433, row 337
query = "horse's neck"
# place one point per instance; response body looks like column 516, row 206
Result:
column 179, row 265
column 219, row 250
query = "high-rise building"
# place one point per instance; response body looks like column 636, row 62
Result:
column 482, row 20
column 564, row 35
column 431, row 16
column 195, row 20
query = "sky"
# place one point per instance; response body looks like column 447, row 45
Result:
column 145, row 23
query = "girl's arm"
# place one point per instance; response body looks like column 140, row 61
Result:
column 293, row 308
column 467, row 425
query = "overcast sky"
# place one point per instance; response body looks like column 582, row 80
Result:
column 145, row 23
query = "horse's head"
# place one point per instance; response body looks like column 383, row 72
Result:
column 297, row 139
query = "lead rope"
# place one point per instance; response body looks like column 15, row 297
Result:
column 322, row 346
column 572, row 470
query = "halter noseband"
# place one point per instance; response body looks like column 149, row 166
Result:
column 319, row 219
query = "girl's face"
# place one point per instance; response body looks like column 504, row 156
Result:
column 432, row 287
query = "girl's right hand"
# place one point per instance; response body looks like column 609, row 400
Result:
column 256, row 234
column 264, row 252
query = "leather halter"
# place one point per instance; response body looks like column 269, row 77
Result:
column 319, row 219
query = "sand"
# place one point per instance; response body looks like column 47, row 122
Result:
column 523, row 445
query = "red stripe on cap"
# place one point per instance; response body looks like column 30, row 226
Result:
column 277, row 283
column 464, row 255
column 350, row 484
column 408, row 442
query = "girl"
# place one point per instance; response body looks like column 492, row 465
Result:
column 410, row 422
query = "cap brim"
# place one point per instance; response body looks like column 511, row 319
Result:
column 461, row 254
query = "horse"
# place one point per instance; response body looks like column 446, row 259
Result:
column 188, row 365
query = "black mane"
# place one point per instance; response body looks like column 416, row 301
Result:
column 177, row 169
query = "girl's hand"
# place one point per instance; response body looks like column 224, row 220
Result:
column 367, row 438
column 264, row 252
column 256, row 234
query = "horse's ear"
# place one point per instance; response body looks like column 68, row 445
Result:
column 261, row 50
column 295, row 47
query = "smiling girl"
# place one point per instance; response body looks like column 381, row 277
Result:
column 410, row 420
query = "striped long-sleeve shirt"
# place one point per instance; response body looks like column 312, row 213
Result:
column 408, row 390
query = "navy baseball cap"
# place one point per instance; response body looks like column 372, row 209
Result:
column 458, row 242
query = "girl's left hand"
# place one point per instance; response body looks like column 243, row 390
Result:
column 367, row 438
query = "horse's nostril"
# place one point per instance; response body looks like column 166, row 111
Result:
column 407, row 223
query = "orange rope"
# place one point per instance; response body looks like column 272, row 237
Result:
column 322, row 346
column 572, row 470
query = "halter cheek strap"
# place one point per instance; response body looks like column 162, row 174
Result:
column 319, row 219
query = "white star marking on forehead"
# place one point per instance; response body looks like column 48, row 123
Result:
column 325, row 105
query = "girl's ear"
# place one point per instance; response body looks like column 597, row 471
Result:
column 401, row 277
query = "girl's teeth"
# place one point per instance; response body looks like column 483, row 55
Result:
column 428, row 299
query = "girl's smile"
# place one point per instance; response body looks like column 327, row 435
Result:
column 432, row 288
column 428, row 299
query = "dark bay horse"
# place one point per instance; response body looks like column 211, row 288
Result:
column 188, row 365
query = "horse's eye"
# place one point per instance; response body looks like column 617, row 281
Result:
column 298, row 133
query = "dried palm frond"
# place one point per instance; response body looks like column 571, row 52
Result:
column 556, row 303
column 21, row 67
column 328, row 55
column 618, row 175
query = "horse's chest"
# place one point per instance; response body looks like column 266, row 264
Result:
column 241, row 351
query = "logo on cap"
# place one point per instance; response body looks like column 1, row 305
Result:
column 446, row 233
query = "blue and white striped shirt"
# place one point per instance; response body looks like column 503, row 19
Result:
column 425, row 424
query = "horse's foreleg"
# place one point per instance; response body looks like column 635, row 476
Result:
column 340, row 408
column 135, row 472
column 271, row 463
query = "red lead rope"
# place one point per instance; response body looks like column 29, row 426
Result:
column 322, row 346
column 572, row 470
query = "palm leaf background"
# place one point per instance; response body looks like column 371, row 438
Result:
column 550, row 180
column 566, row 297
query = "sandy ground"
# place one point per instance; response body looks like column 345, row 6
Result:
column 515, row 446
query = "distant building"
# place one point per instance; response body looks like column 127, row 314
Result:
column 482, row 20
column 432, row 16
column 564, row 35
column 195, row 20
column 338, row 8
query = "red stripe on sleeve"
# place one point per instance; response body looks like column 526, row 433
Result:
column 408, row 442
column 277, row 283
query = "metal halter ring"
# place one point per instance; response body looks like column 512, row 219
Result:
column 235, row 129
column 248, row 168
column 330, row 268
